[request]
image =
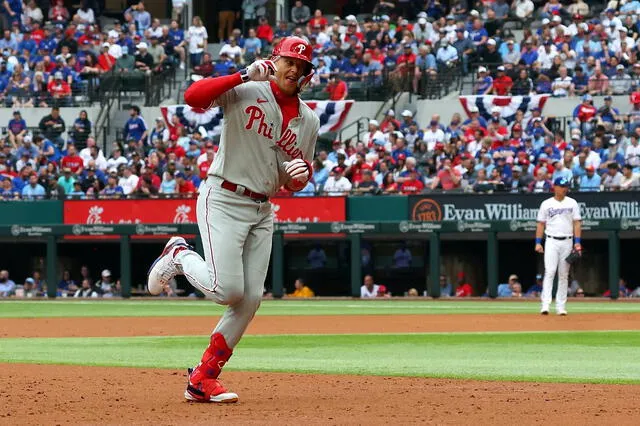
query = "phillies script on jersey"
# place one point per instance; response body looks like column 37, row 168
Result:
column 287, row 141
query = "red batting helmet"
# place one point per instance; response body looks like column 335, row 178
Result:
column 295, row 47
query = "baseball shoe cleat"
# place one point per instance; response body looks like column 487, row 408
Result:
column 209, row 390
column 163, row 268
column 544, row 312
column 562, row 313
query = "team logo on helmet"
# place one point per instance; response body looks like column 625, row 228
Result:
column 300, row 48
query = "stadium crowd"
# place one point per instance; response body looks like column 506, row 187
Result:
column 54, row 56
column 396, row 155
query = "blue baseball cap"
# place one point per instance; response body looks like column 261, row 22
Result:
column 585, row 144
column 561, row 181
column 179, row 175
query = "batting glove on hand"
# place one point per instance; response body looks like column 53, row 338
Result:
column 297, row 169
column 261, row 70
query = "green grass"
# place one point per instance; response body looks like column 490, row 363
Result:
column 68, row 308
column 584, row 357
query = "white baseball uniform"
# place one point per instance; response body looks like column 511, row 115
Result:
column 236, row 230
column 558, row 217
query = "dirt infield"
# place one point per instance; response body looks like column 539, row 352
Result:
column 39, row 394
column 338, row 324
column 36, row 394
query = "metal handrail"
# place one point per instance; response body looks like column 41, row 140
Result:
column 358, row 124
column 103, row 121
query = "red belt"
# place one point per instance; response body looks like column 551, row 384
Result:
column 230, row 186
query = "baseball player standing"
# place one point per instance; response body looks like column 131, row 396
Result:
column 267, row 140
column 559, row 219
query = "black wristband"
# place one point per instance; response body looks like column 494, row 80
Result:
column 244, row 75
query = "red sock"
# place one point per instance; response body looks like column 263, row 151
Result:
column 214, row 358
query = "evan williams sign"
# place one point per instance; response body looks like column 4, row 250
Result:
column 510, row 207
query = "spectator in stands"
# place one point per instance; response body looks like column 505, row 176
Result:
column 85, row 14
column 301, row 289
column 300, row 13
column 17, row 128
column 506, row 289
column 447, row 55
column 484, row 83
column 112, row 189
column 143, row 59
column 33, row 190
column 66, row 180
column 317, row 258
column 157, row 54
column 197, row 35
column 129, row 181
column 7, row 286
column 611, row 155
column 541, row 183
column 369, row 289
column 54, row 191
column 59, row 90
column 446, row 289
column 502, row 84
column 402, row 257
column 613, row 178
column 630, row 181
column 447, row 177
column 463, row 288
column 591, row 181
column 105, row 282
column 233, row 50
column 522, row 85
column 86, row 290
column 146, row 186
column 366, row 186
column 135, row 128
column 598, row 83
column 184, row 187
column 58, row 13
column 52, row 126
column 580, row 82
column 464, row 47
column 337, row 184
column 337, row 88
column 413, row 183
column 560, row 171
column 264, row 32
column 389, row 186
column 7, row 191
column 620, row 83
column 584, row 112
column 125, row 63
column 562, row 84
column 81, row 129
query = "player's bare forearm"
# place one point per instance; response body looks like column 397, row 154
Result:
column 539, row 233
column 577, row 229
column 202, row 94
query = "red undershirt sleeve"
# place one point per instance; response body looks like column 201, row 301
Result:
column 203, row 93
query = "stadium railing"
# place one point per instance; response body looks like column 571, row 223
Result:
column 430, row 232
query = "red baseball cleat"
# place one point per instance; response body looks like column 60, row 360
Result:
column 208, row 390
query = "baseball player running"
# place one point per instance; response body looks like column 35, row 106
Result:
column 559, row 219
column 267, row 140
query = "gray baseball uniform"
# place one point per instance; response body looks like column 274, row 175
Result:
column 236, row 230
